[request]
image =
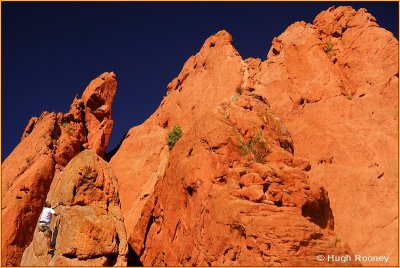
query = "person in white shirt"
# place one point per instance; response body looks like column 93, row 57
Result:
column 45, row 221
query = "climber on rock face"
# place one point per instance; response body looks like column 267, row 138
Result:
column 45, row 220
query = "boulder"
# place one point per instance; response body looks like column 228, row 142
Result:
column 89, row 230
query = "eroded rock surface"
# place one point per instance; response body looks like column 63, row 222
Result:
column 141, row 159
column 341, row 107
column 247, row 184
column 97, row 99
column 201, row 203
column 233, row 194
column 90, row 229
column 47, row 145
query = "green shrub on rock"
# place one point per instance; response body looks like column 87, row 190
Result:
column 173, row 136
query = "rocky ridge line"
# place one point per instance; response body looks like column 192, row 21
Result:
column 322, row 80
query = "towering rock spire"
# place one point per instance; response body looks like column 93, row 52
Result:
column 47, row 145
column 206, row 78
column 98, row 98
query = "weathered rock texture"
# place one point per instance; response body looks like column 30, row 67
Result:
column 247, row 184
column 90, row 229
column 341, row 107
column 97, row 98
column 47, row 145
column 180, row 208
column 143, row 155
column 219, row 203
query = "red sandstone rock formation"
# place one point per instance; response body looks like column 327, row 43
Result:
column 341, row 107
column 247, row 184
column 47, row 145
column 233, row 194
column 90, row 230
column 143, row 155
column 335, row 84
column 97, row 98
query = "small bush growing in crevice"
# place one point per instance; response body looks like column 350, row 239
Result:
column 239, row 90
column 256, row 148
column 329, row 49
column 29, row 159
column 173, row 136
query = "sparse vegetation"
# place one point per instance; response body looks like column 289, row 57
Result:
column 63, row 124
column 337, row 240
column 329, row 49
column 70, row 130
column 256, row 148
column 173, row 136
column 239, row 90
column 29, row 159
column 89, row 172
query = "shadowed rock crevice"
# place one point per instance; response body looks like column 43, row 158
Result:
column 133, row 258
column 317, row 213
column 149, row 224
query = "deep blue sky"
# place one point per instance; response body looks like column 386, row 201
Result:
column 51, row 51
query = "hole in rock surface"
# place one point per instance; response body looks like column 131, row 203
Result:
column 316, row 213
column 190, row 190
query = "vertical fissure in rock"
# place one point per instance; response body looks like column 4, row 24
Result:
column 151, row 220
column 84, row 126
column 133, row 258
